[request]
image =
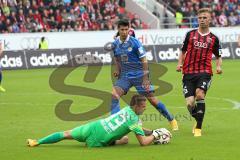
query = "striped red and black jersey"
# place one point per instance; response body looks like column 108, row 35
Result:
column 198, row 49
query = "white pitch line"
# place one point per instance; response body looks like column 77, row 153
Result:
column 32, row 93
column 26, row 104
column 236, row 104
column 51, row 104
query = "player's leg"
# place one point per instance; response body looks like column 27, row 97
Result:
column 117, row 93
column 200, row 111
column 120, row 88
column 189, row 88
column 154, row 101
column 1, row 88
column 203, row 85
column 190, row 102
column 162, row 109
column 52, row 138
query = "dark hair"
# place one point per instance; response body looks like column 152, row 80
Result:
column 42, row 39
column 203, row 10
column 123, row 22
column 137, row 99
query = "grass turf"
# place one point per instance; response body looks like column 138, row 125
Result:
column 27, row 110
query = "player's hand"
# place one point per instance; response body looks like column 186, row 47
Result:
column 116, row 74
column 179, row 68
column 146, row 84
column 219, row 70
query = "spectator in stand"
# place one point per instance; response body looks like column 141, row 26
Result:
column 5, row 9
column 223, row 20
column 232, row 19
column 43, row 44
column 52, row 15
column 136, row 22
column 15, row 28
column 179, row 18
column 12, row 4
column 222, row 10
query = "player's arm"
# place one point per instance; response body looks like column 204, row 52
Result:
column 142, row 56
column 144, row 140
column 116, row 62
column 140, row 135
column 145, row 67
column 117, row 67
column 146, row 82
column 239, row 40
column 147, row 132
column 217, row 51
column 219, row 64
column 180, row 61
column 1, row 49
column 183, row 53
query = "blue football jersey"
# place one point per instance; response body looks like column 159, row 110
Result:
column 129, row 54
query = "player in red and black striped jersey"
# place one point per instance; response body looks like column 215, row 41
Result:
column 198, row 49
column 195, row 62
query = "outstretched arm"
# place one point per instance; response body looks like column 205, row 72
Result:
column 145, row 140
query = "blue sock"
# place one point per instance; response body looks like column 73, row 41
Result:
column 0, row 77
column 115, row 107
column 163, row 110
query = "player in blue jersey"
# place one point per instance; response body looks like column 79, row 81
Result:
column 132, row 70
column 1, row 52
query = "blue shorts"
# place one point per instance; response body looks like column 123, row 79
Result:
column 126, row 83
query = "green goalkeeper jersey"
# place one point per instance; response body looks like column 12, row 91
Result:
column 105, row 131
column 117, row 125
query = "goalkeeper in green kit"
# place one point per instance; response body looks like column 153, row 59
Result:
column 108, row 131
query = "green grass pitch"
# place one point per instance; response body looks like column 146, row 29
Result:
column 27, row 111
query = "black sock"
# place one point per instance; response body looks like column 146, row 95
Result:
column 200, row 111
column 192, row 111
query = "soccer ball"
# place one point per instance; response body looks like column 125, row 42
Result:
column 165, row 137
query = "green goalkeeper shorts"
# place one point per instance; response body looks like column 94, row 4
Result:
column 87, row 133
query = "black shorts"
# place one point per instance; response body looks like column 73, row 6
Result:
column 193, row 81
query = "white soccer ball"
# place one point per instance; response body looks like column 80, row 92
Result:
column 165, row 136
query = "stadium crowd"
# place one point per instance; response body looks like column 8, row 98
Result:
column 62, row 15
column 84, row 15
column 224, row 12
